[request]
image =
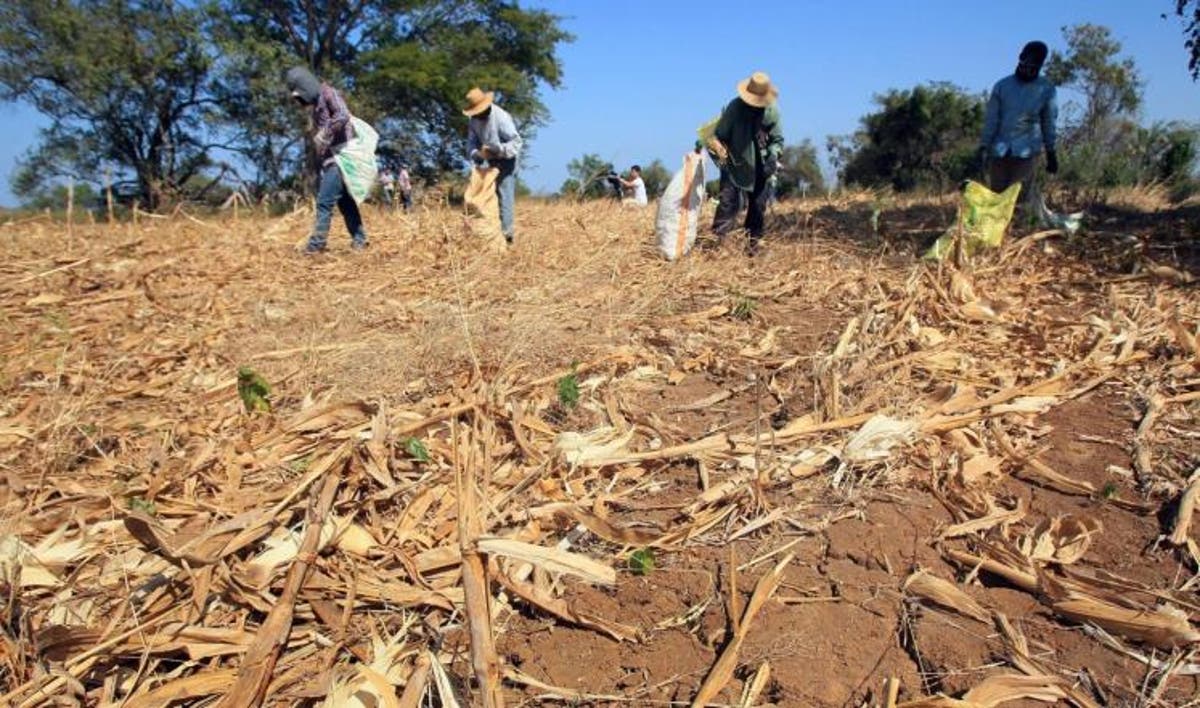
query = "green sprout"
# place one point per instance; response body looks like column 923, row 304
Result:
column 641, row 561
column 743, row 307
column 145, row 506
column 568, row 388
column 253, row 389
column 416, row 450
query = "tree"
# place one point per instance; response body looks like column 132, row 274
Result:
column 126, row 86
column 586, row 177
column 1109, row 84
column 919, row 137
column 1189, row 10
column 800, row 164
column 406, row 64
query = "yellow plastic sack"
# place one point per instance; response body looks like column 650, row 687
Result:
column 708, row 137
column 983, row 217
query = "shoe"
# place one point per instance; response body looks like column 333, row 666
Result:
column 360, row 245
column 311, row 250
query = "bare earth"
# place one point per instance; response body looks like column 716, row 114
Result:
column 1016, row 531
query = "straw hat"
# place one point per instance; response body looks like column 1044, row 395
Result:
column 757, row 90
column 477, row 101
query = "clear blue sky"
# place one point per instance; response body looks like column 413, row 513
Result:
column 642, row 75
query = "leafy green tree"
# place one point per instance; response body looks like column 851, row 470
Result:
column 587, row 176
column 1109, row 84
column 800, row 164
column 1189, row 10
column 919, row 137
column 126, row 86
column 657, row 177
column 405, row 64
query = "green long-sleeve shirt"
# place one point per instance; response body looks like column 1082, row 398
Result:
column 737, row 127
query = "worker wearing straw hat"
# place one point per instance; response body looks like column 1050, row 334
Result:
column 492, row 138
column 748, row 142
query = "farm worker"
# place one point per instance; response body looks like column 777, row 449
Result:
column 635, row 186
column 749, row 140
column 1019, row 122
column 388, row 182
column 404, row 185
column 331, row 130
column 492, row 138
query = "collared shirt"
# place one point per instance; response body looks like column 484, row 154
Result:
column 1020, row 117
column 331, row 120
column 498, row 130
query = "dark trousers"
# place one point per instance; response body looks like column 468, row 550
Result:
column 1003, row 172
column 730, row 204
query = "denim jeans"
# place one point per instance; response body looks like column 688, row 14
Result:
column 506, row 194
column 330, row 191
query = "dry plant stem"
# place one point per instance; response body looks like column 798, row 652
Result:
column 414, row 689
column 1183, row 516
column 722, row 670
column 484, row 661
column 891, row 690
column 258, row 665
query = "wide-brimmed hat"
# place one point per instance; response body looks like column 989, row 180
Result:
column 757, row 90
column 478, row 101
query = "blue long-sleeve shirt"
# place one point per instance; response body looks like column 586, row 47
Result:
column 497, row 130
column 1020, row 117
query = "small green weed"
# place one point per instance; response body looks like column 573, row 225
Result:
column 743, row 307
column 1109, row 491
column 143, row 505
column 568, row 388
column 416, row 450
column 641, row 561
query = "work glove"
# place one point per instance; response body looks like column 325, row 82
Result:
column 476, row 157
column 492, row 151
column 1052, row 161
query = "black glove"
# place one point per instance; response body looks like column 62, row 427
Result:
column 1052, row 162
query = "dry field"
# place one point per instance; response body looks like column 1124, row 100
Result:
column 575, row 474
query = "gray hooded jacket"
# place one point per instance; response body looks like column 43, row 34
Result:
column 331, row 117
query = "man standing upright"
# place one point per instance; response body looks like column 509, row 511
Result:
column 749, row 137
column 404, row 186
column 1019, row 122
column 492, row 138
column 331, row 130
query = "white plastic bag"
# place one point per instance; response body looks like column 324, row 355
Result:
column 679, row 208
column 356, row 160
